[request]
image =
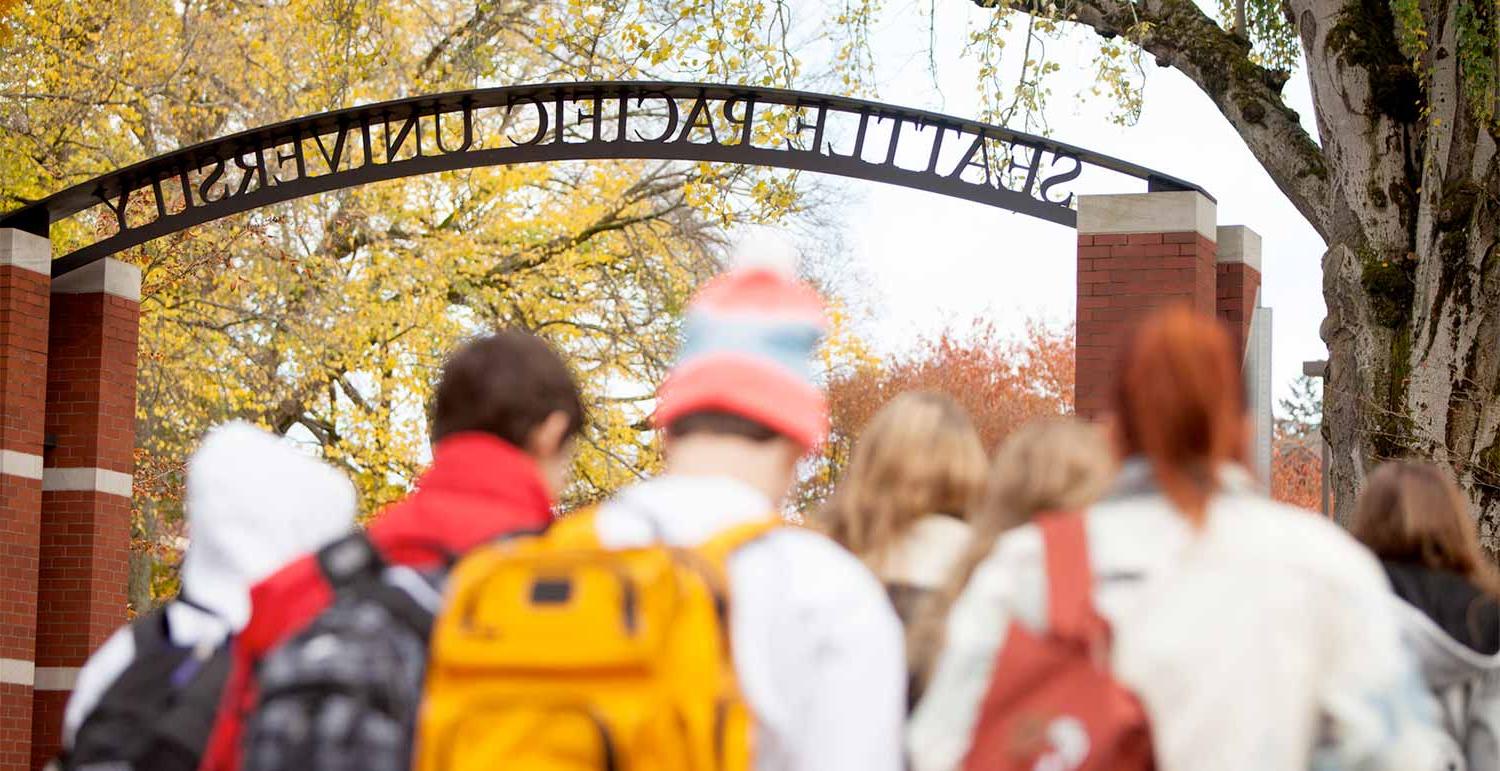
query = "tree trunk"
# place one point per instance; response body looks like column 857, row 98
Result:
column 143, row 562
column 1403, row 186
column 1414, row 354
column 1410, row 279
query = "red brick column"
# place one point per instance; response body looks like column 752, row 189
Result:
column 1135, row 253
column 25, row 262
column 1238, row 281
column 85, row 541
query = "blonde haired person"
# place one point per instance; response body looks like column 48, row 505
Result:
column 1258, row 637
column 901, row 506
column 1048, row 464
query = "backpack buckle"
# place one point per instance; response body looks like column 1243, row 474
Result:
column 349, row 560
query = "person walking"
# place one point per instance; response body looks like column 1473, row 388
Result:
column 1416, row 521
column 146, row 698
column 1252, row 635
column 815, row 680
column 1045, row 465
column 903, row 501
column 503, row 417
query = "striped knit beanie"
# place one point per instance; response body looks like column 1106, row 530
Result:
column 749, row 337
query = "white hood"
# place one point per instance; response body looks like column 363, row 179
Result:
column 254, row 503
column 1444, row 661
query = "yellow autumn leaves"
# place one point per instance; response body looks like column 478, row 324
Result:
column 327, row 318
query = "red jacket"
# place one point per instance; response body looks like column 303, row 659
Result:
column 477, row 489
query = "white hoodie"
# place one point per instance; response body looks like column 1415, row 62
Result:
column 817, row 648
column 254, row 502
column 1264, row 641
column 1467, row 686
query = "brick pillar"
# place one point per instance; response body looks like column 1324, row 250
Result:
column 85, row 541
column 25, row 262
column 1238, row 281
column 1136, row 253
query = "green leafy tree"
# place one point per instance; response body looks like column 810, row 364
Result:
column 1302, row 412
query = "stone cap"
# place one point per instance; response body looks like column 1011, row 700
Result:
column 1238, row 243
column 25, row 250
column 109, row 275
column 1163, row 212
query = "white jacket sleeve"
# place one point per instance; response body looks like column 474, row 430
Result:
column 940, row 729
column 820, row 654
column 97, row 675
column 1380, row 715
column 857, row 686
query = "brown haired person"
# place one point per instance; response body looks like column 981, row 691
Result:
column 1417, row 522
column 1255, row 635
column 902, row 502
column 503, row 418
column 1045, row 465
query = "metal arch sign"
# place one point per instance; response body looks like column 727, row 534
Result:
column 577, row 121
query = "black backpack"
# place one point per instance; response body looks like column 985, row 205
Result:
column 344, row 692
column 158, row 714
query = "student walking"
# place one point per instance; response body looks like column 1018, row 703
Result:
column 809, row 675
column 503, row 416
column 1414, row 518
column 146, row 698
column 902, row 503
column 816, row 645
column 1046, row 465
column 1254, row 635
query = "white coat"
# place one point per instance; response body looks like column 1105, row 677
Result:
column 1264, row 641
column 254, row 502
column 817, row 648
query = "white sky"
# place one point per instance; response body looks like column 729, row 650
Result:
column 922, row 262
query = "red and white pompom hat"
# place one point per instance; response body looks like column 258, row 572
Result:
column 748, row 347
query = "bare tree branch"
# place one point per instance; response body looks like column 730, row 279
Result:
column 1180, row 35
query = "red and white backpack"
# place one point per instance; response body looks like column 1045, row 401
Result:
column 1053, row 704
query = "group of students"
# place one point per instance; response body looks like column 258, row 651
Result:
column 1092, row 597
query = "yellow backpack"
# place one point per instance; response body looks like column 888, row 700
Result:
column 557, row 654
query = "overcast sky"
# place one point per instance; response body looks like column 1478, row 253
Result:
column 922, row 262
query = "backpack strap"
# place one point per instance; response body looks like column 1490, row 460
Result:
column 190, row 721
column 575, row 531
column 188, row 600
column 725, row 542
column 149, row 633
column 579, row 530
column 1070, row 580
column 353, row 563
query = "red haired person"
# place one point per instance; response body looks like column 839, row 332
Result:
column 1254, row 635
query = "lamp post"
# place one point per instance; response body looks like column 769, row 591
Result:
column 1319, row 369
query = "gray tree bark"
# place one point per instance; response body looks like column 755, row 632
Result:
column 1404, row 188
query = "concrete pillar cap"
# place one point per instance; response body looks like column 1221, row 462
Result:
column 25, row 250
column 109, row 275
column 1238, row 243
column 1164, row 212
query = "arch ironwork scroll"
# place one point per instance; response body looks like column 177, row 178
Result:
column 577, row 121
